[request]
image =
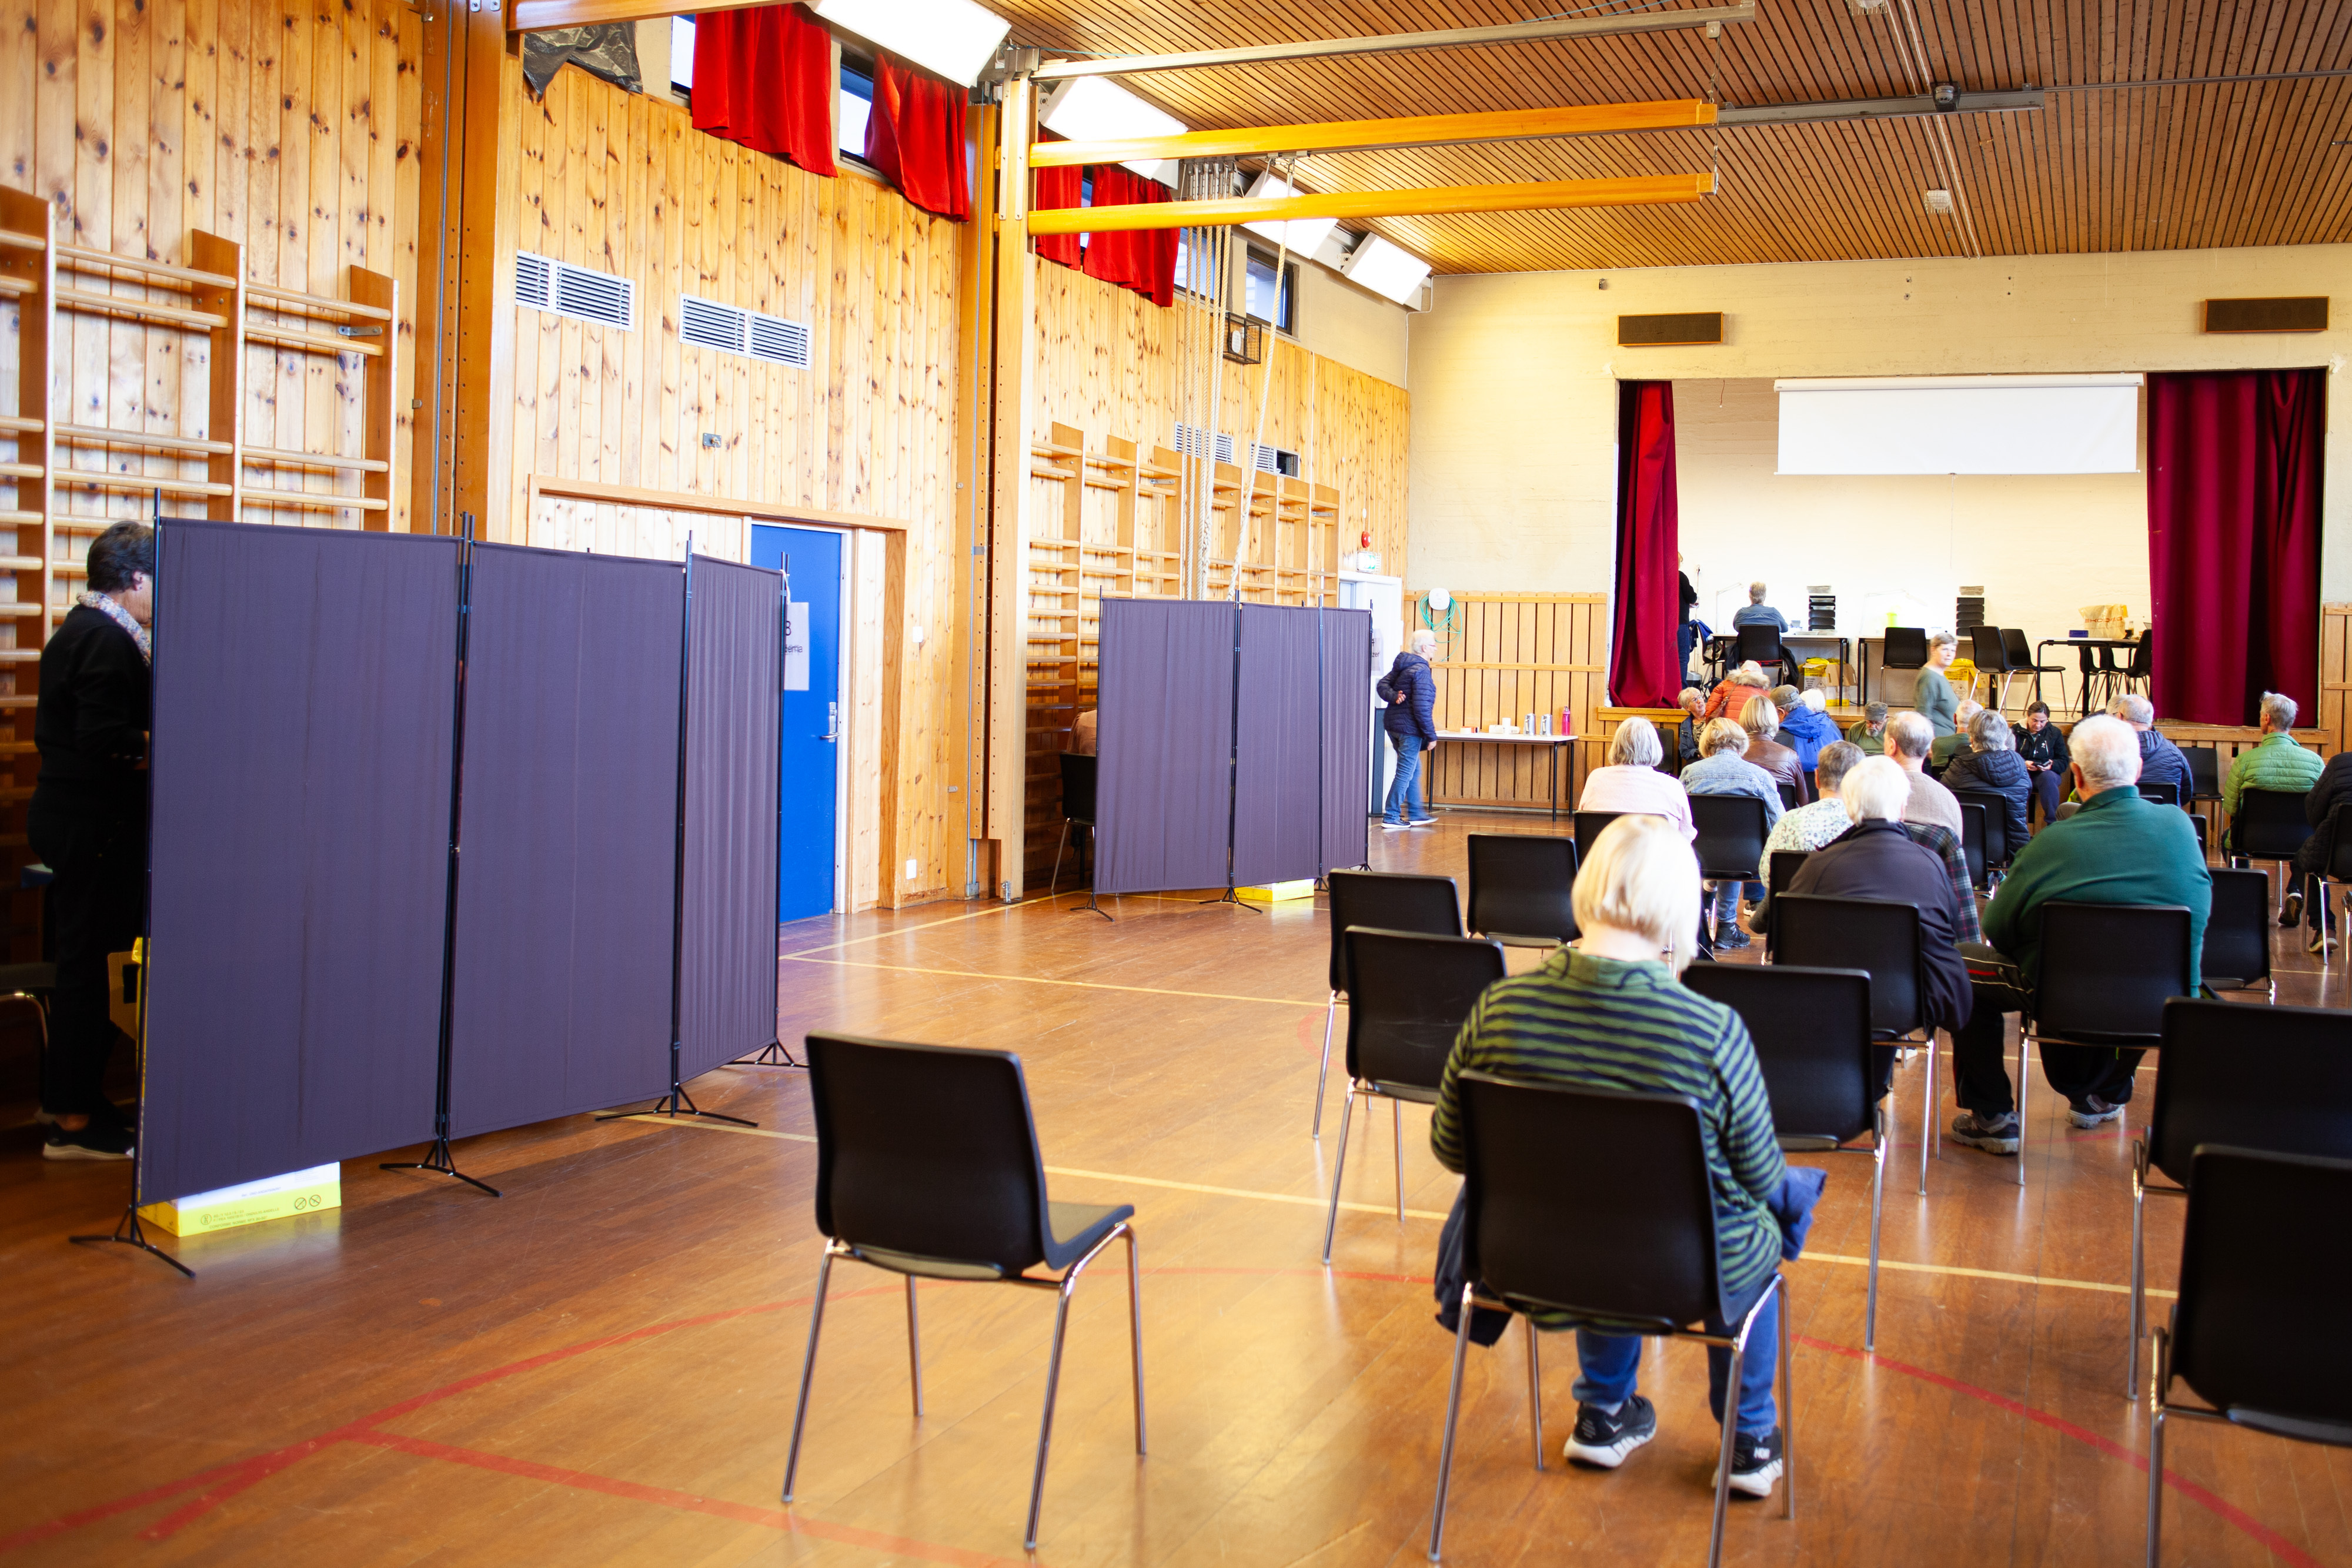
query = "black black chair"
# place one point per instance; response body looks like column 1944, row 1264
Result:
column 2256, row 1334
column 2204, row 771
column 1411, row 994
column 1761, row 645
column 1780, row 870
column 1520, row 888
column 2285, row 1088
column 1386, row 901
column 1811, row 1032
column 928, row 1166
column 1997, row 850
column 2334, row 875
column 2107, row 969
column 1788, row 801
column 1079, row 810
column 1904, row 648
column 1989, row 652
column 2140, row 672
column 1976, row 822
column 2160, row 792
column 1881, row 938
column 1598, row 1205
column 2019, row 653
column 2268, row 825
column 1588, row 830
column 2237, row 956
column 1730, row 843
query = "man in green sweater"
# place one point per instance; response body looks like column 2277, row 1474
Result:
column 2119, row 849
column 2275, row 762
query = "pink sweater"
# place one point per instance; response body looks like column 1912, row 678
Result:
column 1641, row 790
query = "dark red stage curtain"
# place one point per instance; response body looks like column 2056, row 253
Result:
column 915, row 136
column 764, row 77
column 2233, row 478
column 1643, row 641
column 1141, row 259
column 1059, row 190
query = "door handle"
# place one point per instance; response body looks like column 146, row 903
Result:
column 831, row 722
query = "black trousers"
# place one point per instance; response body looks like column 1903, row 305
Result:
column 1980, row 1068
column 97, row 906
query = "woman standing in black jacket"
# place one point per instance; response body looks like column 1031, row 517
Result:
column 88, row 823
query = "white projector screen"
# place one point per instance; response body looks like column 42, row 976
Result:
column 1960, row 425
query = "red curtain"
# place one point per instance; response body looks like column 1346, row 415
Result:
column 2233, row 481
column 1644, row 643
column 1058, row 190
column 765, row 77
column 1141, row 259
column 915, row 136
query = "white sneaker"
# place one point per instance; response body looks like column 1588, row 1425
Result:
column 1392, row 827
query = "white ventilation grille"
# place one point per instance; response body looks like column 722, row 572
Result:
column 1193, row 441
column 1275, row 460
column 732, row 330
column 579, row 292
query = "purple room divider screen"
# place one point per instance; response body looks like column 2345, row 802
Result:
column 1277, row 779
column 1163, row 791
column 734, row 663
column 561, row 992
column 1345, row 678
column 305, row 705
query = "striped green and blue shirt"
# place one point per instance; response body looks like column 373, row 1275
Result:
column 1605, row 1023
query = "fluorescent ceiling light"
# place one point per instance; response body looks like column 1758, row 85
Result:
column 1386, row 269
column 1093, row 109
column 954, row 39
column 1306, row 233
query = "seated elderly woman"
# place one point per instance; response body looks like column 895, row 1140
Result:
column 1694, row 706
column 1732, row 694
column 1608, row 1014
column 1761, row 720
column 1722, row 770
column 1631, row 781
column 1991, row 764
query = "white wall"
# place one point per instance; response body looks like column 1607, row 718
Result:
column 1513, row 389
column 1352, row 325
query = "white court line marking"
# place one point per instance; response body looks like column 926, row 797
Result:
column 1118, row 1180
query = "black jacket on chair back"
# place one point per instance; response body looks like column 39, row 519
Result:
column 2001, row 773
column 1878, row 859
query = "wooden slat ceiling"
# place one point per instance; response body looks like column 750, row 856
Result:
column 2123, row 168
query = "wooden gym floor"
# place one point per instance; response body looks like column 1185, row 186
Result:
column 600, row 1366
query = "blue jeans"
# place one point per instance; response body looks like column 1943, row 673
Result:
column 1404, row 785
column 1608, row 1362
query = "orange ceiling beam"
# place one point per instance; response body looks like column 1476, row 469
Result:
column 1356, row 135
column 1547, row 196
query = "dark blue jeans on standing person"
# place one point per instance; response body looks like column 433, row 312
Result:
column 1608, row 1362
column 1404, row 785
column 1686, row 639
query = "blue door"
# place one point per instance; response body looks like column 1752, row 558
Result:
column 811, row 562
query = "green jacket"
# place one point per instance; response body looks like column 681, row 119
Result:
column 2119, row 849
column 1936, row 702
column 2275, row 762
column 1872, row 744
column 1946, row 747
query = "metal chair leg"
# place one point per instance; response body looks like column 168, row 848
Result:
column 1339, row 1169
column 2024, row 1044
column 914, row 1349
column 1787, row 1402
column 1453, row 1410
column 808, row 1372
column 1535, row 1390
column 2158, row 1353
column 2138, row 1267
column 1877, row 1204
column 1397, row 1120
column 1929, row 1147
column 1058, row 848
column 1135, row 1329
column 1045, row 1427
column 1722, row 1460
column 1323, row 1074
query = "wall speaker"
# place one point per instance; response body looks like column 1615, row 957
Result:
column 1670, row 331
column 2305, row 314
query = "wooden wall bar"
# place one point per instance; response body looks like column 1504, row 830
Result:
column 1500, row 657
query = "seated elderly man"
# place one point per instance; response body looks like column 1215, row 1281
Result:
column 2333, row 789
column 1722, row 770
column 1631, row 781
column 2160, row 761
column 2119, row 849
column 1907, row 740
column 1732, row 694
column 1991, row 764
column 1761, row 720
column 1876, row 858
column 1870, row 734
column 2275, row 762
column 1811, row 827
column 1756, row 613
column 1608, row 1014
column 1947, row 746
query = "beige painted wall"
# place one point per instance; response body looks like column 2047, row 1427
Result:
column 1513, row 389
column 1354, row 325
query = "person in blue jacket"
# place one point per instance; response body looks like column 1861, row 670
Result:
column 1410, row 721
column 1805, row 728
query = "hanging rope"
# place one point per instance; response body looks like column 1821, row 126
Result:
column 1289, row 164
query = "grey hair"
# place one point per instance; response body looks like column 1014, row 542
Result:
column 1875, row 789
column 1910, row 733
column 1635, row 744
column 1755, row 594
column 1987, row 731
column 1749, row 675
column 1943, row 640
column 1814, row 699
column 1837, row 759
column 1422, row 637
column 1876, row 713
column 2106, row 750
column 2132, row 708
column 2280, row 709
column 1783, row 697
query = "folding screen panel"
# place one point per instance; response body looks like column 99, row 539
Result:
column 305, row 695
column 1164, row 740
column 562, row 997
column 734, row 661
column 1277, row 782
column 1346, row 670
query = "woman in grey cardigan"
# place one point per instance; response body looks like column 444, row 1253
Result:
column 1933, row 695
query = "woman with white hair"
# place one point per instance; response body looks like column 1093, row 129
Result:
column 1608, row 1014
column 1632, row 781
column 1722, row 769
column 1412, row 722
column 1932, row 694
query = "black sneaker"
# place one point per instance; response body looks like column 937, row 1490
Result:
column 1733, row 939
column 91, row 1143
column 1756, row 1462
column 1602, row 1440
column 2292, row 910
column 1993, row 1134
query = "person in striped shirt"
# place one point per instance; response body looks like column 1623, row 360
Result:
column 1610, row 1014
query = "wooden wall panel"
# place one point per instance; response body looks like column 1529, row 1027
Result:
column 1501, row 656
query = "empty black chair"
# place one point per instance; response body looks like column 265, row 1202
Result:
column 1989, row 652
column 2285, row 1088
column 1588, row 830
column 2256, row 1334
column 2107, row 969
column 1993, row 848
column 927, row 1164
column 1904, row 648
column 1975, row 823
column 1881, row 938
column 1778, row 871
column 1520, row 887
column 1388, row 901
column 1811, row 1032
column 2268, row 825
column 1411, row 994
column 2019, row 653
column 2204, row 771
column 1598, row 1204
column 2141, row 671
column 2161, row 792
column 1731, row 833
column 2237, row 956
column 1789, row 801
column 1077, row 808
